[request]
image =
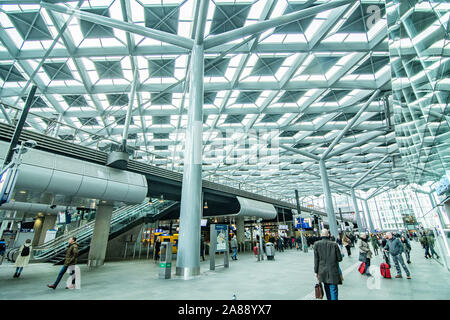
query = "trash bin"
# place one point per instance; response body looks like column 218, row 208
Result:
column 270, row 251
column 165, row 262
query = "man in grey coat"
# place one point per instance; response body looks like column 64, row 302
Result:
column 327, row 256
column 395, row 248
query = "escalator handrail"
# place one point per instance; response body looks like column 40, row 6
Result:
column 82, row 237
column 79, row 229
column 85, row 239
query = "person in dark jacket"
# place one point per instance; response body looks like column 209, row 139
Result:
column 395, row 248
column 70, row 260
column 406, row 248
column 327, row 256
column 157, row 249
column 430, row 238
column 202, row 248
column 426, row 245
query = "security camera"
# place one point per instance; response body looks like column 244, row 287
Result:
column 30, row 143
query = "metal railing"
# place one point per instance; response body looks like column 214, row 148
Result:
column 120, row 218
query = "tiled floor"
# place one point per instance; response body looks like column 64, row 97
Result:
column 290, row 276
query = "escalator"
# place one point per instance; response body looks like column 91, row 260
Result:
column 122, row 220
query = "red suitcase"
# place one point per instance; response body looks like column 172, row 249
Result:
column 361, row 267
column 385, row 270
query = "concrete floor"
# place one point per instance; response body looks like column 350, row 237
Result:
column 289, row 277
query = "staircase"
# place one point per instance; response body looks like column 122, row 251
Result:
column 122, row 220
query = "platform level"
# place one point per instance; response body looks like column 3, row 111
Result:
column 290, row 276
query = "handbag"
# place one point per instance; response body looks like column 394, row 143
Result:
column 362, row 256
column 318, row 290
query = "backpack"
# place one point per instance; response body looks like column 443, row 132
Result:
column 25, row 251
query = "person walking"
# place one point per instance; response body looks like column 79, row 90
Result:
column 395, row 247
column 234, row 247
column 426, row 245
column 157, row 249
column 406, row 248
column 374, row 242
column 326, row 264
column 430, row 239
column 23, row 258
column 202, row 248
column 346, row 242
column 70, row 260
column 280, row 244
column 365, row 254
column 2, row 250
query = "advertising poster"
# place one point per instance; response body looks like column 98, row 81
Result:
column 222, row 237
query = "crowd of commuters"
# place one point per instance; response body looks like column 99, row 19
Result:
column 328, row 252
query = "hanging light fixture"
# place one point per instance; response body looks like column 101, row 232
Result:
column 206, row 205
column 161, row 199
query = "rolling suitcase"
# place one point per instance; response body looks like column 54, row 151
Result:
column 385, row 270
column 362, row 267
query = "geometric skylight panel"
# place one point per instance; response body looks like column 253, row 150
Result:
column 109, row 69
column 234, row 118
column 267, row 66
column 291, row 96
column 91, row 30
column 75, row 100
column 229, row 17
column 117, row 99
column 320, row 65
column 335, row 95
column 161, row 98
column 9, row 73
column 163, row 18
column 161, row 119
column 30, row 25
column 57, row 71
column 37, row 102
column 163, row 68
column 296, row 27
column 209, row 97
column 248, row 97
column 217, row 68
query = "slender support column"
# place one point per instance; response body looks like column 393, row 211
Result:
column 299, row 211
column 188, row 258
column 129, row 110
column 328, row 199
column 19, row 126
column 378, row 215
column 392, row 210
column 355, row 206
column 99, row 242
column 371, row 228
column 438, row 211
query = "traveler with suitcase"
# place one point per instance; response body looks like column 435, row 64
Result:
column 365, row 254
column 395, row 248
column 326, row 264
